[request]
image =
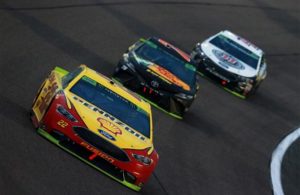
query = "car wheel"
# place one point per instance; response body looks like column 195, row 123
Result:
column 177, row 108
column 197, row 60
column 252, row 91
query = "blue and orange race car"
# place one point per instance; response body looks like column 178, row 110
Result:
column 98, row 121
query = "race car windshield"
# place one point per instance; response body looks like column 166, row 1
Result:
column 236, row 50
column 151, row 52
column 112, row 103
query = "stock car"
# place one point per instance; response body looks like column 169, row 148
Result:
column 160, row 73
column 232, row 61
column 99, row 121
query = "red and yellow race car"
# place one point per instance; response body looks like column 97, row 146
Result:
column 98, row 121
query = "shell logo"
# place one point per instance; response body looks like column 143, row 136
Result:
column 108, row 126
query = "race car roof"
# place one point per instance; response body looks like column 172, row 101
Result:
column 183, row 55
column 242, row 41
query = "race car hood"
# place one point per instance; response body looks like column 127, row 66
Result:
column 167, row 76
column 108, row 127
column 227, row 61
column 162, row 73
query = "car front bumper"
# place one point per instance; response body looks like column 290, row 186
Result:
column 227, row 80
column 159, row 98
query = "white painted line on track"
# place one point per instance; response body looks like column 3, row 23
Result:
column 276, row 161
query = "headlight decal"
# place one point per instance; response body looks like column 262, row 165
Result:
column 143, row 159
column 61, row 110
column 184, row 96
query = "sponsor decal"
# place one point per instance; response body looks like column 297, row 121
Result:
column 97, row 153
column 156, row 74
column 107, row 135
column 169, row 76
column 150, row 44
column 227, row 59
column 180, row 52
column 154, row 84
column 110, row 117
column 247, row 42
column 149, row 90
column 109, row 126
column 49, row 91
column 62, row 123
column 190, row 67
column 91, row 81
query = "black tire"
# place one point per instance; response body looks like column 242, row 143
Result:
column 177, row 108
column 253, row 91
column 196, row 60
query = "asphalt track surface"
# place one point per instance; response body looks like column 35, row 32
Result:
column 290, row 169
column 223, row 145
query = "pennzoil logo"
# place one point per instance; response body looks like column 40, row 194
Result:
column 108, row 126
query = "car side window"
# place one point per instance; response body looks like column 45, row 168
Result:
column 70, row 76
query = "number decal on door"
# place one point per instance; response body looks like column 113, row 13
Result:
column 62, row 123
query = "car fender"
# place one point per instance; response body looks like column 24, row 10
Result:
column 49, row 88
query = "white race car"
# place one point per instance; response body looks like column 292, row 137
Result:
column 234, row 62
